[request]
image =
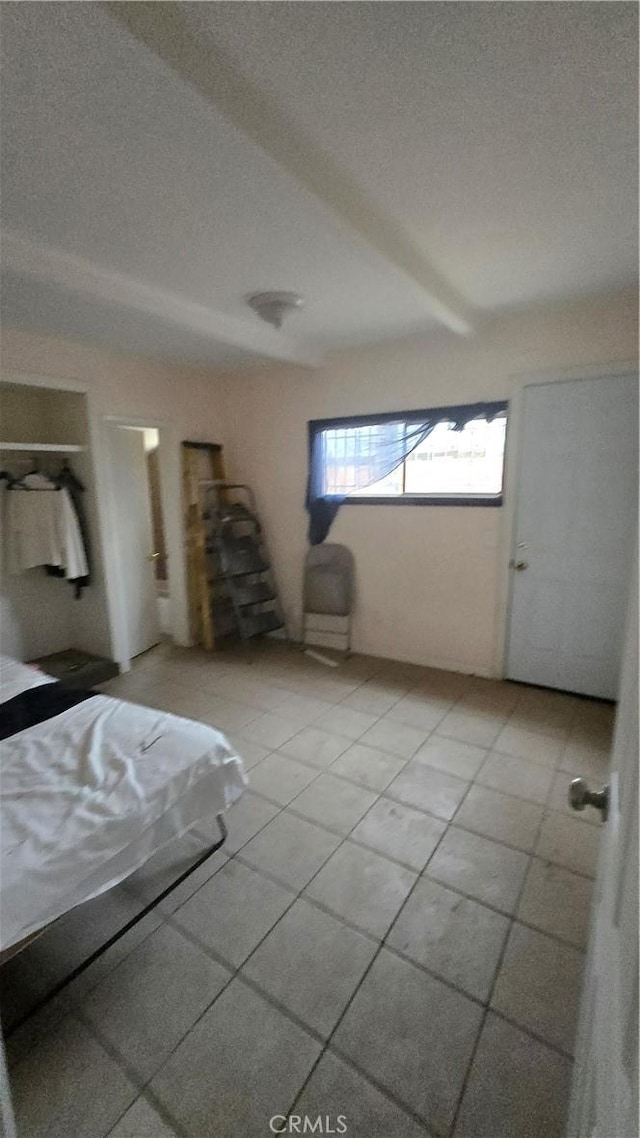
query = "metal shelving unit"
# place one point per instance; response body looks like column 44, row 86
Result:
column 242, row 580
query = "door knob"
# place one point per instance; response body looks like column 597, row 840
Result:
column 153, row 557
column 519, row 565
column 580, row 796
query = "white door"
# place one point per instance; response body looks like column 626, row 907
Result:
column 574, row 534
column 604, row 1101
column 134, row 538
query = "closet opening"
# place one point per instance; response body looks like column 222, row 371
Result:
column 53, row 605
column 146, row 613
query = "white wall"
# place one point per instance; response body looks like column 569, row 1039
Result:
column 432, row 581
column 183, row 399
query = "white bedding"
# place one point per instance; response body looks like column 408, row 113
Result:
column 87, row 796
column 16, row 677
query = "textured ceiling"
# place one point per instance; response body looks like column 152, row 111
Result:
column 502, row 136
column 499, row 137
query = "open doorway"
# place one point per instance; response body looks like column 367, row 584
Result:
column 139, row 537
column 161, row 567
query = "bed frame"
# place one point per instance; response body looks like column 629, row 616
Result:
column 59, row 987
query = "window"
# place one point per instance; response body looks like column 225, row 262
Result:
column 443, row 456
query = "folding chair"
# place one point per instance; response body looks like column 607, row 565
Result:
column 328, row 590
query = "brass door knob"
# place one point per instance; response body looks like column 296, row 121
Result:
column 580, row 796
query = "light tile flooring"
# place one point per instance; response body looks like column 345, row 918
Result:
column 394, row 933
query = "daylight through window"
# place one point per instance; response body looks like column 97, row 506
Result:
column 465, row 464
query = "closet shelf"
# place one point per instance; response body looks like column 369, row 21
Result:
column 58, row 448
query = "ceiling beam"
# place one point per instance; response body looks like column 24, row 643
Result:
column 199, row 62
column 46, row 263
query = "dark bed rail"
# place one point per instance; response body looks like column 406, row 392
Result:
column 62, row 984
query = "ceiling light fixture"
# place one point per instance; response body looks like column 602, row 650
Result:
column 274, row 306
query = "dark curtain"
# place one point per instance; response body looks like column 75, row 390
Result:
column 350, row 454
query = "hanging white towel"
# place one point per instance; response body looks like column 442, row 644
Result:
column 33, row 529
column 43, row 529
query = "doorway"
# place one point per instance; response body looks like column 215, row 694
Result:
column 151, row 437
column 139, row 537
column 576, row 524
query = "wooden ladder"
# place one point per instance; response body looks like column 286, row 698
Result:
column 200, row 461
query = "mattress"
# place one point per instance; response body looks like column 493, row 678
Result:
column 87, row 797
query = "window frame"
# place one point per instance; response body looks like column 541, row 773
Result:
column 447, row 413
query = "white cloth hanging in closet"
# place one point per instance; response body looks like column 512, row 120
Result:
column 38, row 481
column 42, row 529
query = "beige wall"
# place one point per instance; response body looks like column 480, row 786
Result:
column 432, row 581
column 184, row 400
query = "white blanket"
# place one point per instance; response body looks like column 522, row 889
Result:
column 88, row 796
column 16, row 677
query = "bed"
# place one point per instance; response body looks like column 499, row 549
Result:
column 89, row 793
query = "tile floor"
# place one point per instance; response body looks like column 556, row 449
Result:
column 394, row 932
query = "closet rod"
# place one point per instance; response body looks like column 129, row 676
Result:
column 58, row 448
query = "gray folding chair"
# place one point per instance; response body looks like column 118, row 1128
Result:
column 328, row 591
